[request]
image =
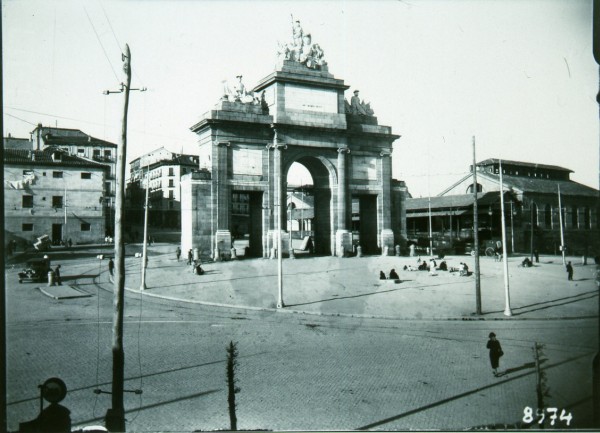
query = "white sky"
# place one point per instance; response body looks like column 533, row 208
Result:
column 519, row 75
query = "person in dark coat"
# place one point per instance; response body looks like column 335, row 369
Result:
column 382, row 276
column 111, row 267
column 178, row 253
column 495, row 352
column 190, row 256
column 394, row 275
column 569, row 271
column 57, row 275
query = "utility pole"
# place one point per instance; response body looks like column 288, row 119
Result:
column 145, row 248
column 507, row 311
column 476, row 235
column 115, row 416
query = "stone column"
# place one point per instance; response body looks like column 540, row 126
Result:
column 387, row 234
column 222, row 245
column 343, row 240
column 266, row 206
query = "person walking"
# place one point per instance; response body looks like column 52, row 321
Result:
column 57, row 275
column 190, row 256
column 111, row 267
column 495, row 352
column 569, row 271
column 178, row 253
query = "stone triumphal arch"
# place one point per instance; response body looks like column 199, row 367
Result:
column 250, row 139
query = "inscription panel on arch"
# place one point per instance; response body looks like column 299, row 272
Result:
column 310, row 99
column 364, row 167
column 247, row 161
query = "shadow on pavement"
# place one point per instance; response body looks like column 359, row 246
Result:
column 349, row 297
column 555, row 302
column 464, row 394
column 150, row 406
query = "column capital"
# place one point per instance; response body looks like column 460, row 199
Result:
column 343, row 150
column 222, row 143
column 386, row 152
column 279, row 146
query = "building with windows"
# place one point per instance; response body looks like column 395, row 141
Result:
column 76, row 143
column 50, row 192
column 163, row 169
column 531, row 210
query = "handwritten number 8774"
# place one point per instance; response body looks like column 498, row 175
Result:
column 540, row 415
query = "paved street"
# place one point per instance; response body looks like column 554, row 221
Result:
column 348, row 352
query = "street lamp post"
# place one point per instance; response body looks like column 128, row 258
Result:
column 512, row 229
column 145, row 248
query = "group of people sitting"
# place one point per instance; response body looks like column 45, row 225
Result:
column 393, row 275
column 431, row 266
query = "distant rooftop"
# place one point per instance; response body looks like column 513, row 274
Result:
column 45, row 158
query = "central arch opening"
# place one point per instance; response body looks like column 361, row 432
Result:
column 308, row 204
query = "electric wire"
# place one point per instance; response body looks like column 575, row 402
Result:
column 102, row 46
column 110, row 25
column 18, row 118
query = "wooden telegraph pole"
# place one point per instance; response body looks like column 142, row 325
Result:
column 115, row 416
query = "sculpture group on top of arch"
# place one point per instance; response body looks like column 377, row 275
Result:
column 301, row 49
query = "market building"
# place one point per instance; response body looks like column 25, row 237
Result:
column 531, row 200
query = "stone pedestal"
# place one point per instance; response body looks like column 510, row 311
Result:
column 343, row 242
column 223, row 249
column 387, row 240
column 285, row 243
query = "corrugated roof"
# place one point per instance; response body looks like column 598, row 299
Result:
column 491, row 161
column 543, row 186
column 450, row 201
column 44, row 157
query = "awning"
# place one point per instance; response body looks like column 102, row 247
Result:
column 437, row 213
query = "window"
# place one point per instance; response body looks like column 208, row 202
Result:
column 86, row 175
column 107, row 154
column 27, row 227
column 171, row 172
column 57, row 174
column 587, row 218
column 574, row 216
column 171, row 183
column 80, row 151
column 96, row 153
column 57, row 201
column 107, row 187
column 86, row 227
column 171, row 205
column 171, row 194
column 27, row 201
column 548, row 216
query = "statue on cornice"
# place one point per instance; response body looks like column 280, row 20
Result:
column 238, row 93
column 301, row 49
column 358, row 107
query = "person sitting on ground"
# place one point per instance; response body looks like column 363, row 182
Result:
column 463, row 269
column 382, row 275
column 526, row 263
column 443, row 266
column 394, row 275
column 423, row 266
column 199, row 270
